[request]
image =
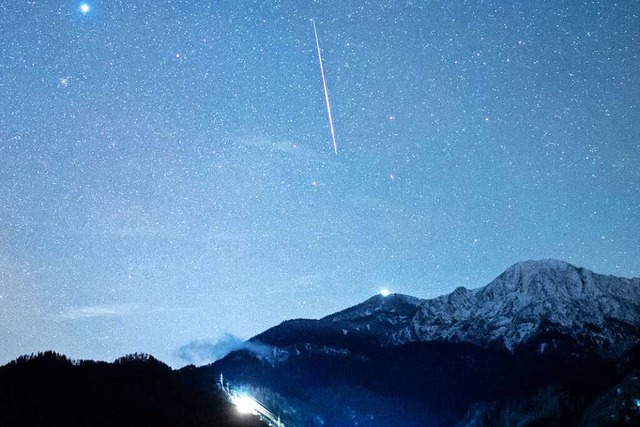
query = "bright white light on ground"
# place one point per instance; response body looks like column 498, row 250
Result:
column 385, row 292
column 85, row 8
column 245, row 404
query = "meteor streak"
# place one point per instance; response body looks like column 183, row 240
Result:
column 326, row 91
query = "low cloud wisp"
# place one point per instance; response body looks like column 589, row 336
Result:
column 202, row 352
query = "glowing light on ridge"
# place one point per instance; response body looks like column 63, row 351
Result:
column 245, row 404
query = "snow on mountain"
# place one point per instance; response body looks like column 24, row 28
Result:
column 572, row 334
column 528, row 300
column 380, row 316
column 535, row 294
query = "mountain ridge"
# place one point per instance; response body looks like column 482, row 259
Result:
column 545, row 341
column 603, row 311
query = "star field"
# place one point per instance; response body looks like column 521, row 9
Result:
column 167, row 172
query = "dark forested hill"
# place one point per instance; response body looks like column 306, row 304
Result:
column 137, row 390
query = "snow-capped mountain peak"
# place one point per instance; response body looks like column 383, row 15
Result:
column 535, row 297
column 548, row 329
column 531, row 300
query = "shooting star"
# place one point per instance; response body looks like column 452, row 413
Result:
column 326, row 91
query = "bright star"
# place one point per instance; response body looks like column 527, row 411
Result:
column 85, row 8
column 385, row 292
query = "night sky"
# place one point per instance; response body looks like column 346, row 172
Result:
column 167, row 171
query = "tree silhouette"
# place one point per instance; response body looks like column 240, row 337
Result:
column 48, row 389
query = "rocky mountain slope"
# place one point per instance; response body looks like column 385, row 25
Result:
column 529, row 299
column 545, row 341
